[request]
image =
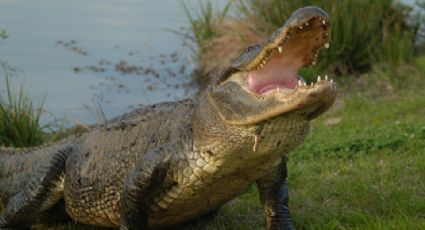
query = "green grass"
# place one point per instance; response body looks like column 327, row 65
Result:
column 369, row 125
column 381, row 188
column 19, row 118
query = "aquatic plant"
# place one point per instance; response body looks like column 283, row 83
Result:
column 19, row 118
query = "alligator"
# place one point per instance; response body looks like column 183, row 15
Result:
column 168, row 163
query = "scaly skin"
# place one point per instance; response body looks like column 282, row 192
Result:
column 172, row 162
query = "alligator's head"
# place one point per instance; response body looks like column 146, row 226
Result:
column 263, row 82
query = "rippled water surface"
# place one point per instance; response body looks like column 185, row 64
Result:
column 118, row 54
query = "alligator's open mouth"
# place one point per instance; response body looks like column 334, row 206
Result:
column 298, row 45
column 264, row 80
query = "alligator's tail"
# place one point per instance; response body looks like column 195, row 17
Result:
column 31, row 181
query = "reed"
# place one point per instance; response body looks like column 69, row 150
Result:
column 19, row 118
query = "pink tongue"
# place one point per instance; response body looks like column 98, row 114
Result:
column 261, row 84
column 281, row 71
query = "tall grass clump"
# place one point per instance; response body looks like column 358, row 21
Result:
column 19, row 118
column 205, row 22
column 364, row 32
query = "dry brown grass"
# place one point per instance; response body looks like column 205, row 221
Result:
column 219, row 52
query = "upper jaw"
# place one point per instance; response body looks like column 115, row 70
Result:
column 295, row 45
column 309, row 24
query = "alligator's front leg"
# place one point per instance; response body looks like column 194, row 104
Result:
column 148, row 175
column 274, row 197
column 40, row 194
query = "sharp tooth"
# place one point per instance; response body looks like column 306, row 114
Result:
column 318, row 79
column 326, row 77
column 306, row 23
column 313, row 63
column 332, row 80
column 300, row 83
column 264, row 62
column 261, row 65
column 305, row 84
column 301, row 27
column 280, row 48
column 311, row 83
column 327, row 45
column 324, row 22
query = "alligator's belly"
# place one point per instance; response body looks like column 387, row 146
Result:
column 99, row 208
column 93, row 188
column 100, row 205
column 183, row 204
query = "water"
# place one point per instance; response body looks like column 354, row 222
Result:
column 118, row 54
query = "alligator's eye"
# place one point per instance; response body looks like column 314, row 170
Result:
column 253, row 47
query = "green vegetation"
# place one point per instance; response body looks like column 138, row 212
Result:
column 204, row 25
column 19, row 118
